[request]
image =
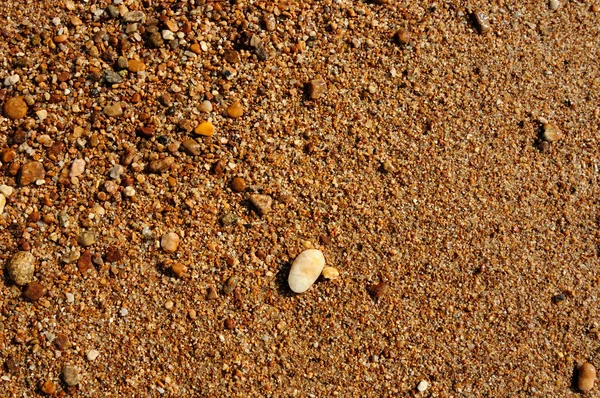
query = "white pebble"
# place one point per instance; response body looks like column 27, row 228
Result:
column 42, row 114
column 553, row 4
column 129, row 191
column 6, row 190
column 305, row 270
column 422, row 386
column 70, row 297
column 168, row 35
column 124, row 312
column 116, row 171
column 2, row 203
column 92, row 355
column 11, row 80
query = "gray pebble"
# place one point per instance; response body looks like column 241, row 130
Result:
column 70, row 375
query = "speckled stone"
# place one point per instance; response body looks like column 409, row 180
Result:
column 305, row 270
column 70, row 375
column 30, row 173
column 21, row 268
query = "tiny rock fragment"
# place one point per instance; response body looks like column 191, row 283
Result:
column 49, row 388
column 70, row 375
column 551, row 132
column 586, row 377
column 305, row 270
column 316, row 88
column 15, row 108
column 113, row 254
column 21, row 268
column 388, row 167
column 553, row 4
column 179, row 269
column 112, row 77
column 113, row 110
column 62, row 342
column 262, row 203
column 212, row 293
column 330, row 273
column 161, row 165
column 134, row 16
column 378, row 290
column 169, row 242
column 235, row 110
column 483, row 21
column 60, row 39
column 6, row 190
column 238, row 184
column 2, row 203
column 192, row 147
column 402, row 37
column 205, row 129
column 34, row 291
column 86, row 238
column 231, row 284
column 422, row 386
column 134, row 65
column 205, row 106
column 31, row 172
column 228, row 219
column 230, row 323
column 77, row 168
column 218, row 168
column 92, row 355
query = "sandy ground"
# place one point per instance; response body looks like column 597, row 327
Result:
column 467, row 246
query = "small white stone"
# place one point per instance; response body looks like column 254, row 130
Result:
column 92, row 355
column 42, row 114
column 305, row 270
column 553, row 4
column 6, row 190
column 77, row 168
column 116, row 171
column 129, row 191
column 70, row 297
column 168, row 35
column 2, row 203
column 11, row 80
column 124, row 312
column 422, row 386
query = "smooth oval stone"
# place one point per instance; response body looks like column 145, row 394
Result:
column 305, row 270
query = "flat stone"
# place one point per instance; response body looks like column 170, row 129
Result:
column 134, row 16
column 134, row 65
column 305, row 270
column 92, row 355
column 86, row 238
column 192, row 146
column 113, row 110
column 160, row 165
column 112, row 77
column 331, row 273
column 31, row 172
column 34, row 291
column 169, row 242
column 21, row 268
column 262, row 203
column 586, row 377
column 15, row 108
column 70, row 375
column 316, row 88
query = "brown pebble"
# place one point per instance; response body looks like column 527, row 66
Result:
column 15, row 108
column 62, row 342
column 160, row 165
column 262, row 203
column 134, row 65
column 113, row 254
column 31, row 172
column 238, row 184
column 34, row 291
column 212, row 293
column 316, row 88
column 8, row 155
column 231, row 284
column 192, row 147
column 551, row 132
column 60, row 38
column 146, row 131
column 179, row 269
column 402, row 37
column 229, row 323
column 378, row 290
column 84, row 263
column 195, row 48
column 586, row 377
column 218, row 168
column 49, row 388
column 235, row 110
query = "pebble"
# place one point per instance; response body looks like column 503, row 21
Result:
column 113, row 110
column 212, row 293
column 553, row 4
column 169, row 242
column 402, row 37
column 70, row 375
column 42, row 114
column 112, row 77
column 378, row 290
column 235, row 110
column 86, row 238
column 179, row 269
column 21, row 268
column 305, row 270
column 60, row 39
column 169, row 304
column 34, row 291
column 2, row 203
column 168, row 35
column 134, row 16
column 92, row 355
column 31, row 172
column 205, row 129
column 316, row 88
column 49, row 388
column 331, row 273
column 205, row 106
column 160, row 165
column 422, row 386
column 77, row 168
column 238, row 184
column 134, row 65
column 192, row 146
column 483, row 21
column 11, row 80
column 551, row 132
column 123, row 312
column 231, row 284
column 262, row 203
column 195, row 48
column 586, row 377
column 15, row 108
column 129, row 191
column 156, row 40
column 6, row 190
column 116, row 172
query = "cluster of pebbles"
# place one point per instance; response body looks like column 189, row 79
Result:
column 327, row 198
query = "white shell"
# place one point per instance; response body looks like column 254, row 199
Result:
column 305, row 270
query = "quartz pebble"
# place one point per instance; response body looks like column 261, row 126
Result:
column 422, row 386
column 77, row 168
column 483, row 21
column 205, row 107
column 15, row 108
column 553, row 4
column 21, row 268
column 70, row 375
column 586, row 377
column 305, row 270
column 87, row 238
column 92, row 355
column 262, row 203
column 113, row 110
column 551, row 132
column 169, row 242
column 235, row 110
column 2, row 203
column 192, row 146
column 31, row 172
column 205, row 128
column 6, row 190
column 330, row 273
